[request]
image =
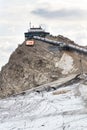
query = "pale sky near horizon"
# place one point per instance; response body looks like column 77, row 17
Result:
column 59, row 17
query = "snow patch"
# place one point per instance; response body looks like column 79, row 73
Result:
column 44, row 111
column 66, row 63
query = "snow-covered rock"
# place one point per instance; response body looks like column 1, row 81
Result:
column 66, row 63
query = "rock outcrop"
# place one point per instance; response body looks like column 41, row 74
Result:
column 31, row 66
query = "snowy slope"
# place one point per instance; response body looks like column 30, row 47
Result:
column 63, row 109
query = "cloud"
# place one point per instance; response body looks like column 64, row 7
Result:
column 72, row 14
column 59, row 17
column 7, row 46
column 5, row 51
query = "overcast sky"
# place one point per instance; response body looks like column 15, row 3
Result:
column 60, row 17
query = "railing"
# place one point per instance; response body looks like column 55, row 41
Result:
column 48, row 41
column 63, row 45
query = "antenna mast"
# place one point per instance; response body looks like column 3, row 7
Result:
column 30, row 24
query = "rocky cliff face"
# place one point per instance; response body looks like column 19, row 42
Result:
column 31, row 66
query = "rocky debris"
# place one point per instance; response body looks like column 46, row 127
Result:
column 31, row 66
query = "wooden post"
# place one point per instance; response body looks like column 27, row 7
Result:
column 81, row 66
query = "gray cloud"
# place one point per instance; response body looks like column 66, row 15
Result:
column 62, row 13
